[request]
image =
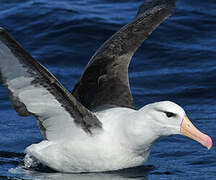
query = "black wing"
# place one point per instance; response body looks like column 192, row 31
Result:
column 105, row 78
column 33, row 90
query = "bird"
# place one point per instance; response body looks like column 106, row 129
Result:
column 96, row 127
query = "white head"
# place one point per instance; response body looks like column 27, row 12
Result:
column 163, row 119
column 165, row 115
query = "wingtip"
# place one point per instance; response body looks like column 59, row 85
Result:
column 2, row 30
column 150, row 4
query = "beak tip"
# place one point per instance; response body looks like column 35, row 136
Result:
column 209, row 143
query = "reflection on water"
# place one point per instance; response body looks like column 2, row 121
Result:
column 130, row 174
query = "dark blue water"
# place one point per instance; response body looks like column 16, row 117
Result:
column 177, row 63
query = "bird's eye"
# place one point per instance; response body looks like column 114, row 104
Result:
column 169, row 114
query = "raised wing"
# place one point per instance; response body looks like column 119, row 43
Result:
column 33, row 90
column 105, row 78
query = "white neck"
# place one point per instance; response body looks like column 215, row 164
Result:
column 141, row 137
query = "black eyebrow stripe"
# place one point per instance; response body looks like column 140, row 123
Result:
column 170, row 114
column 173, row 114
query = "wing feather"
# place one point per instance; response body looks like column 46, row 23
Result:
column 105, row 78
column 33, row 90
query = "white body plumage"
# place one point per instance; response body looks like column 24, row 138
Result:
column 108, row 149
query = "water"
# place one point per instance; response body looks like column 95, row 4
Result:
column 176, row 63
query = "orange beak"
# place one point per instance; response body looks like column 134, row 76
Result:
column 189, row 130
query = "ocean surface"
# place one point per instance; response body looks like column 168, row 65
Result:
column 177, row 63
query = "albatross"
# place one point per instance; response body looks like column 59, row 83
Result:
column 95, row 127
